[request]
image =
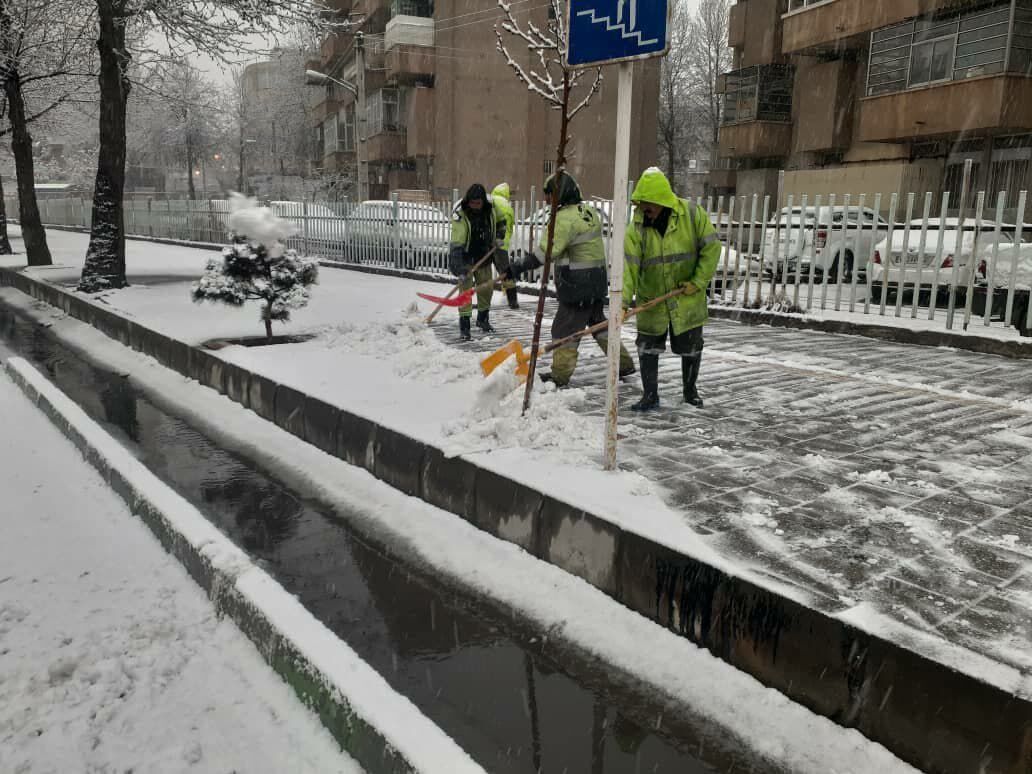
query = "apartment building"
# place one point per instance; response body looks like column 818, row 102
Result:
column 444, row 110
column 877, row 96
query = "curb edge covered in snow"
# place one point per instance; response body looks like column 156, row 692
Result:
column 378, row 727
column 888, row 691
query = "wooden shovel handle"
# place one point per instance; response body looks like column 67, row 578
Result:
column 460, row 283
column 605, row 323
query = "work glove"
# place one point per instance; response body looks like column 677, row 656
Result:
column 689, row 288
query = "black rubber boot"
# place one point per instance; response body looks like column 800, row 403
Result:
column 650, row 383
column 689, row 373
column 513, row 296
column 484, row 321
column 464, row 329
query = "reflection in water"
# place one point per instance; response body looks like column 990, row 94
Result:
column 513, row 706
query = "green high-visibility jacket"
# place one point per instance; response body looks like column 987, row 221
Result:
column 500, row 199
column 654, row 265
column 459, row 258
column 578, row 254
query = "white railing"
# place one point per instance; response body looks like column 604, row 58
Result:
column 913, row 257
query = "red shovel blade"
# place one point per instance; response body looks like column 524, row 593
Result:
column 461, row 299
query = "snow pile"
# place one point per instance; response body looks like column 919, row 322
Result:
column 872, row 477
column 258, row 223
column 490, row 416
column 1005, row 265
column 411, row 347
column 552, row 422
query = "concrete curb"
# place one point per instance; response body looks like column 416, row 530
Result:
column 894, row 696
column 326, row 675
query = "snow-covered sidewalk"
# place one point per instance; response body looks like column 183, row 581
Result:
column 111, row 658
column 884, row 484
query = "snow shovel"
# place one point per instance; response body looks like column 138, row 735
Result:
column 514, row 347
column 447, row 300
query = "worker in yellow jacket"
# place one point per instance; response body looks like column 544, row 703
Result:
column 670, row 244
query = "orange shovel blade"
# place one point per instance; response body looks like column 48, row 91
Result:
column 499, row 356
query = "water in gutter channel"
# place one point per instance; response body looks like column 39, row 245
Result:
column 514, row 704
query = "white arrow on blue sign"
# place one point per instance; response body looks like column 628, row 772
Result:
column 606, row 31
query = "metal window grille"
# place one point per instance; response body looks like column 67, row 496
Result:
column 760, row 93
column 947, row 47
column 384, row 112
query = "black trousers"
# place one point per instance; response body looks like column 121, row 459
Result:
column 685, row 344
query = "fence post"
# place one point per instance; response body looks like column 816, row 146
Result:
column 170, row 233
column 990, row 269
column 748, row 254
column 841, row 262
column 869, row 265
column 803, row 209
column 827, row 234
column 933, row 301
column 951, row 306
column 902, row 286
column 813, row 252
column 396, row 231
column 972, row 266
column 1015, row 257
column 763, row 251
column 304, row 226
column 922, row 243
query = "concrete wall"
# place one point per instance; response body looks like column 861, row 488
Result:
column 885, row 178
column 757, row 181
column 828, row 25
column 823, row 104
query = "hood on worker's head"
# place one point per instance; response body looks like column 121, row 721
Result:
column 654, row 188
column 476, row 191
column 569, row 191
column 502, row 190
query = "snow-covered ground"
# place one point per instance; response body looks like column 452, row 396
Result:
column 841, row 472
column 111, row 658
column 747, row 714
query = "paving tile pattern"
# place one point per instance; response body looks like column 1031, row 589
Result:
column 858, row 470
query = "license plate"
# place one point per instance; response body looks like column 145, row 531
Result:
column 913, row 260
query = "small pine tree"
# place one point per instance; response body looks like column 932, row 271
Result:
column 257, row 267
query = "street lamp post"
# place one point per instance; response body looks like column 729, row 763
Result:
column 314, row 78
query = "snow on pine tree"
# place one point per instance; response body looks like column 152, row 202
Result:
column 257, row 266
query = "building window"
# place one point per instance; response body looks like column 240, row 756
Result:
column 937, row 49
column 549, row 167
column 330, row 135
column 424, row 8
column 346, row 129
column 761, row 93
column 385, row 111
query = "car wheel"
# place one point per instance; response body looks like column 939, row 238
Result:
column 832, row 274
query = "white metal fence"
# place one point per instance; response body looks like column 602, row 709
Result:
column 923, row 257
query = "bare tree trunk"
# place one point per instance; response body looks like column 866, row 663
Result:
column 105, row 257
column 191, row 189
column 560, row 169
column 5, row 242
column 35, row 238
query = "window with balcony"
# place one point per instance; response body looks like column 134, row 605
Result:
column 797, row 5
column 761, row 93
column 938, row 49
column 385, row 111
column 424, row 8
column 329, row 132
column 346, row 129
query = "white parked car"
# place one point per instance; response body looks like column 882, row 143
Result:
column 422, row 232
column 923, row 265
column 833, row 240
column 317, row 228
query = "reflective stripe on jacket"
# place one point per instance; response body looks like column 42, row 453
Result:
column 578, row 254
column 654, row 265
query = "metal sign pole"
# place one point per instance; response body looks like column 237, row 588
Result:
column 619, row 228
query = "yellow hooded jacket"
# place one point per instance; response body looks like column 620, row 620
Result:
column 688, row 252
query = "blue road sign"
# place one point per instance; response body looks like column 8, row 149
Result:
column 606, row 31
